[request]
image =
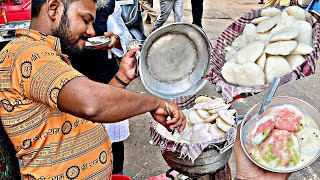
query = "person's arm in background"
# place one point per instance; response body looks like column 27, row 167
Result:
column 127, row 67
column 100, row 23
column 102, row 14
column 116, row 25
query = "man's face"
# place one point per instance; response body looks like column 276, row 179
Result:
column 75, row 26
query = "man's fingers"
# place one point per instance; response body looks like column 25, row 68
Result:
column 178, row 120
column 132, row 52
column 182, row 127
column 108, row 34
column 114, row 38
column 162, row 120
column 113, row 42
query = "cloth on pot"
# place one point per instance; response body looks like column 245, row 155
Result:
column 190, row 151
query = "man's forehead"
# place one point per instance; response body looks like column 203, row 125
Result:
column 84, row 7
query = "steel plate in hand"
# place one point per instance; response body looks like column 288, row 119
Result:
column 306, row 108
column 173, row 60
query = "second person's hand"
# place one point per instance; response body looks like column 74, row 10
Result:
column 115, row 41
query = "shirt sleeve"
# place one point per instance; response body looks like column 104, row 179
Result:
column 42, row 73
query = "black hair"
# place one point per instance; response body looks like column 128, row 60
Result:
column 36, row 6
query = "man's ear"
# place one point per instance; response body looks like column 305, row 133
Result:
column 53, row 7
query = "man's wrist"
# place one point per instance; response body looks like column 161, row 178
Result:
column 122, row 79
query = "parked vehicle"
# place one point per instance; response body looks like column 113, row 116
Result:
column 13, row 11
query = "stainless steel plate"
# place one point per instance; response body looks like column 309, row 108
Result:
column 173, row 60
column 246, row 124
column 97, row 42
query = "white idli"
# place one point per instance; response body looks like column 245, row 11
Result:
column 270, row 12
column 250, row 53
column 302, row 48
column 248, row 75
column 297, row 12
column 284, row 34
column 281, row 47
column 268, row 24
column 295, row 60
column 276, row 66
column 227, row 72
column 259, row 19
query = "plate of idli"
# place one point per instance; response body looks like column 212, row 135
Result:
column 285, row 139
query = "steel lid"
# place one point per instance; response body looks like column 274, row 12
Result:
column 173, row 60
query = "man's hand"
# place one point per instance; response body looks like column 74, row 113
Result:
column 178, row 119
column 248, row 170
column 127, row 68
column 128, row 64
column 115, row 41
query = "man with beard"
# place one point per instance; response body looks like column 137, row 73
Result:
column 103, row 66
column 50, row 111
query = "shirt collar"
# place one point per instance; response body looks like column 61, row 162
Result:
column 45, row 39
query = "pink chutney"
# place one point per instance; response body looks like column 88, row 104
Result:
column 287, row 117
column 261, row 129
column 279, row 149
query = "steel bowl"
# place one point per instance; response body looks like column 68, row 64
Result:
column 174, row 59
column 97, row 42
column 276, row 101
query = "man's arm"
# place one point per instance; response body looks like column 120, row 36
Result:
column 103, row 103
column 106, row 104
column 122, row 81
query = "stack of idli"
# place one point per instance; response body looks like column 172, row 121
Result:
column 209, row 119
column 270, row 46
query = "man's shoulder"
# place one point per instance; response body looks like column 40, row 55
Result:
column 25, row 44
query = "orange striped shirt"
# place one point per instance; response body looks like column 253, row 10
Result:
column 50, row 143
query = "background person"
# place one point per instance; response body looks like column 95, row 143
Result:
column 269, row 3
column 197, row 11
column 151, row 14
column 166, row 6
column 51, row 112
